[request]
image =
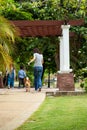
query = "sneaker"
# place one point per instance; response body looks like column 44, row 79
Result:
column 39, row 90
column 8, row 87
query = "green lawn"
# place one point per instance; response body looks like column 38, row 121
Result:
column 59, row 113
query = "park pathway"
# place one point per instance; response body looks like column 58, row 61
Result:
column 16, row 106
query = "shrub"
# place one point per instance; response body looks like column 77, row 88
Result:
column 82, row 84
column 85, row 84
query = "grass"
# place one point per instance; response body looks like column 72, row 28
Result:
column 59, row 113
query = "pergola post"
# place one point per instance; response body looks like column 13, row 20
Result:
column 61, row 53
column 65, row 80
column 65, row 50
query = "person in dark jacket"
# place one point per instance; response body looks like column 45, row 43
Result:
column 21, row 76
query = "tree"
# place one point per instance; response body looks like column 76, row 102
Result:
column 51, row 10
column 62, row 10
column 7, row 36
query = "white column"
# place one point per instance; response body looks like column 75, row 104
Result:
column 64, row 50
column 61, row 53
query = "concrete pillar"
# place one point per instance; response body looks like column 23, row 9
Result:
column 65, row 79
column 64, row 50
column 61, row 54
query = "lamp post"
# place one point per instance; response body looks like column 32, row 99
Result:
column 49, row 59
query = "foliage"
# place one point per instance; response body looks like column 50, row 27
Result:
column 7, row 36
column 49, row 10
column 81, row 73
column 25, row 46
column 15, row 15
column 79, row 48
column 54, row 9
column 82, row 84
column 12, row 11
column 85, row 84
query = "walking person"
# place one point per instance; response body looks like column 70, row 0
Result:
column 5, row 79
column 38, row 68
column 21, row 76
column 11, row 77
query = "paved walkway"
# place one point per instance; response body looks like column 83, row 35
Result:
column 16, row 105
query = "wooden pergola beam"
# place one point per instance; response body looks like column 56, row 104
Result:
column 43, row 28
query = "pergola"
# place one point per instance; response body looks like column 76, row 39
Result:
column 43, row 28
column 47, row 28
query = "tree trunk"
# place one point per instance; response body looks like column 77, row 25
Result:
column 1, row 82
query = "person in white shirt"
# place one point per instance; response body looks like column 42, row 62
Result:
column 38, row 69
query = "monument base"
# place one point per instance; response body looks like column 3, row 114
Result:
column 65, row 82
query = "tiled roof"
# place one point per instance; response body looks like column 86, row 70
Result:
column 43, row 28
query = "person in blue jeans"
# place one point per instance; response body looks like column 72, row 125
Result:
column 21, row 76
column 11, row 76
column 38, row 69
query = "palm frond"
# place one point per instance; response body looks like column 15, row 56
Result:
column 8, row 32
column 5, row 59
